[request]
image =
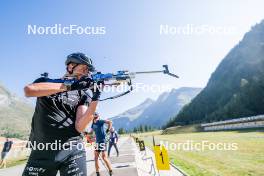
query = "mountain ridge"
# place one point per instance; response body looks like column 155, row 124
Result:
column 235, row 88
column 15, row 115
column 157, row 112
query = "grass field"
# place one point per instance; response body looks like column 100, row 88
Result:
column 248, row 159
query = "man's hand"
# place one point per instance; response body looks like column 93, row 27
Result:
column 97, row 88
column 80, row 84
column 109, row 123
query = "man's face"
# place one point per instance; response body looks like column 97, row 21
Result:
column 79, row 70
column 96, row 117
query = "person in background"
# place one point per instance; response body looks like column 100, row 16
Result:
column 100, row 145
column 88, row 138
column 7, row 147
column 113, row 141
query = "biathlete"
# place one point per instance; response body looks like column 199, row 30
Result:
column 62, row 112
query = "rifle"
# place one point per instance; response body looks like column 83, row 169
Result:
column 119, row 77
column 126, row 75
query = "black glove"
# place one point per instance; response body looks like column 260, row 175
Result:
column 107, row 131
column 80, row 84
column 97, row 90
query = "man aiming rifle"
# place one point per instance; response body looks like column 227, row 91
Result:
column 63, row 110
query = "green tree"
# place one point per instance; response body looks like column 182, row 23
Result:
column 135, row 130
column 141, row 129
column 121, row 131
column 146, row 129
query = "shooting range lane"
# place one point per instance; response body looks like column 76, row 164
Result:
column 173, row 170
column 125, row 164
column 147, row 166
column 133, row 162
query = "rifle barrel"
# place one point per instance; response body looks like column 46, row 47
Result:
column 147, row 72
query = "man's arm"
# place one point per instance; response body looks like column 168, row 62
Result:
column 84, row 116
column 116, row 136
column 43, row 89
column 91, row 131
column 109, row 123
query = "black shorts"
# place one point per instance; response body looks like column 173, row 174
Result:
column 3, row 155
column 48, row 163
column 100, row 146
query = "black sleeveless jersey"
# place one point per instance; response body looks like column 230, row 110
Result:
column 55, row 115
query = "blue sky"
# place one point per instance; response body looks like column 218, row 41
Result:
column 132, row 40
